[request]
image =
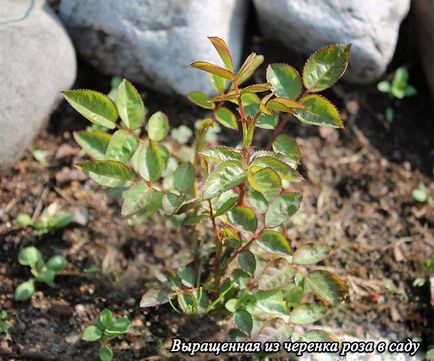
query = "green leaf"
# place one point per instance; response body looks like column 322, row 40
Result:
column 158, row 126
column 285, row 80
column 226, row 118
column 187, row 276
column 243, row 217
column 171, row 202
column 326, row 286
column 108, row 173
column 257, row 200
column 130, row 105
column 325, row 67
column 294, row 295
column 105, row 354
column 266, row 181
column 229, row 96
column 155, row 297
column 383, row 86
column 271, row 302
column 244, row 321
column 94, row 106
column 201, row 99
column 232, row 305
column 256, row 88
column 136, row 199
column 285, row 171
column 218, row 83
column 284, row 105
column 282, row 208
column 47, row 277
column 104, row 319
column 29, row 256
column 241, row 278
column 4, row 326
column 226, row 176
column 93, row 143
column 122, row 146
column 213, row 69
column 91, row 333
column 119, row 326
column 311, row 253
column 184, row 177
column 307, row 313
column 249, row 66
column 149, row 162
column 60, row 220
column 274, row 242
column 24, row 220
column 321, row 336
column 191, row 221
column 226, row 206
column 319, row 111
column 265, row 121
column 221, row 153
column 277, row 275
column 247, row 262
column 56, row 263
column 287, row 145
column 24, row 291
column 223, row 51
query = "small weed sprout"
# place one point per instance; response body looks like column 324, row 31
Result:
column 236, row 200
column 398, row 88
column 106, row 329
column 49, row 221
column 42, row 271
column 4, row 324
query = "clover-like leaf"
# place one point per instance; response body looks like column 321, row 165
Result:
column 104, row 319
column 287, row 145
column 273, row 241
column 223, row 50
column 130, row 105
column 91, row 333
column 94, row 106
column 213, row 69
column 29, row 256
column 93, row 143
column 108, row 173
column 243, row 217
column 122, row 146
column 318, row 111
column 285, row 80
column 311, row 253
column 328, row 287
column 226, row 118
column 282, row 208
column 226, row 176
column 325, row 67
column 307, row 313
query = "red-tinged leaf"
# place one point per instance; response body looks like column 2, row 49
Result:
column 285, row 80
column 221, row 98
column 256, row 88
column 252, row 62
column 213, row 69
column 318, row 111
column 284, row 105
column 223, row 50
column 201, row 99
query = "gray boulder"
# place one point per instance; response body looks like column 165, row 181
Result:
column 153, row 42
column 37, row 61
column 370, row 25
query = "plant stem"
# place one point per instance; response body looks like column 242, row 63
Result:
column 218, row 251
column 278, row 130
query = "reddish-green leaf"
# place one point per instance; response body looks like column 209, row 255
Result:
column 243, row 217
column 256, row 88
column 226, row 118
column 213, row 69
column 274, row 242
column 223, row 51
column 318, row 111
column 311, row 253
column 284, row 105
column 249, row 66
column 328, row 287
column 287, row 145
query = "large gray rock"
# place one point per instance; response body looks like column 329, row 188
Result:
column 153, row 42
column 37, row 61
column 370, row 25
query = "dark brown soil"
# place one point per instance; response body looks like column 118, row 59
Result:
column 357, row 199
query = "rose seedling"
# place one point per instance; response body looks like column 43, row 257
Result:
column 236, row 200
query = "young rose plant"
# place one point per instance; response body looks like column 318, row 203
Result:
column 235, row 200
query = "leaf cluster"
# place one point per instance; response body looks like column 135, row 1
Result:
column 42, row 271
column 49, row 221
